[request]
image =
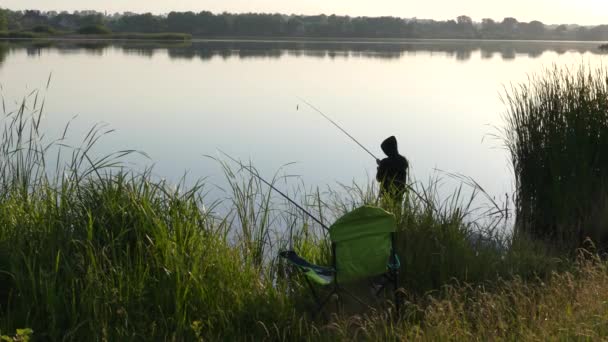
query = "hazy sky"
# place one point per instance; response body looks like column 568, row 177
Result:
column 588, row 12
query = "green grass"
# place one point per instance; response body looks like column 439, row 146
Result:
column 115, row 255
column 89, row 249
column 557, row 133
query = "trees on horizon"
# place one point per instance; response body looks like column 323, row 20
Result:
column 208, row 24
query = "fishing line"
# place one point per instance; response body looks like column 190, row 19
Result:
column 338, row 126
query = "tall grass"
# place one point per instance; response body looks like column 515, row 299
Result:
column 557, row 134
column 91, row 249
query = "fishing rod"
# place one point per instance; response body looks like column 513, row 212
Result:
column 338, row 126
column 355, row 140
column 255, row 174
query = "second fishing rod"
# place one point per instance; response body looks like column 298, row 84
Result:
column 256, row 175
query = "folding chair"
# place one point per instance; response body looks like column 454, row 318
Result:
column 363, row 247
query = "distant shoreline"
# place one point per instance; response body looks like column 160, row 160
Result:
column 109, row 36
column 275, row 39
column 181, row 37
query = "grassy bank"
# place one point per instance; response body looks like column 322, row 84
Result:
column 566, row 306
column 91, row 249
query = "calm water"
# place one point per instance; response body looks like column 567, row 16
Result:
column 178, row 102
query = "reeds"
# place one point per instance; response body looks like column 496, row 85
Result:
column 557, row 134
column 90, row 249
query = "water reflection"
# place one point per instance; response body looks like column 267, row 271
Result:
column 439, row 97
column 205, row 50
column 4, row 50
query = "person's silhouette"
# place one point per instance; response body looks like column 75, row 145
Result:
column 392, row 171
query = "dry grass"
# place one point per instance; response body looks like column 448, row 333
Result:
column 568, row 306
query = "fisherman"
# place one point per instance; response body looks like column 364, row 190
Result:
column 392, row 172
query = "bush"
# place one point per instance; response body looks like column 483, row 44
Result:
column 94, row 29
column 154, row 36
column 44, row 29
column 20, row 35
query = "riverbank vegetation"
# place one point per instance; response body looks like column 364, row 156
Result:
column 557, row 131
column 89, row 248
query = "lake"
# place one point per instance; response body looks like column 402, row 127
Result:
column 180, row 101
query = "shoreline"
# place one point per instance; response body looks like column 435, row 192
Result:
column 169, row 36
column 266, row 39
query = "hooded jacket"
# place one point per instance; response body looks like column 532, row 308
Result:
column 392, row 171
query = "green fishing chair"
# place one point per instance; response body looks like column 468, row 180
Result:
column 363, row 248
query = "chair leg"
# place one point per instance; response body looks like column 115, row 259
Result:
column 381, row 286
column 312, row 289
column 339, row 303
column 324, row 302
column 396, row 292
column 354, row 297
column 393, row 278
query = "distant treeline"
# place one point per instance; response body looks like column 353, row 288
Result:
column 207, row 24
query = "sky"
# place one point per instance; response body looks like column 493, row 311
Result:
column 584, row 12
